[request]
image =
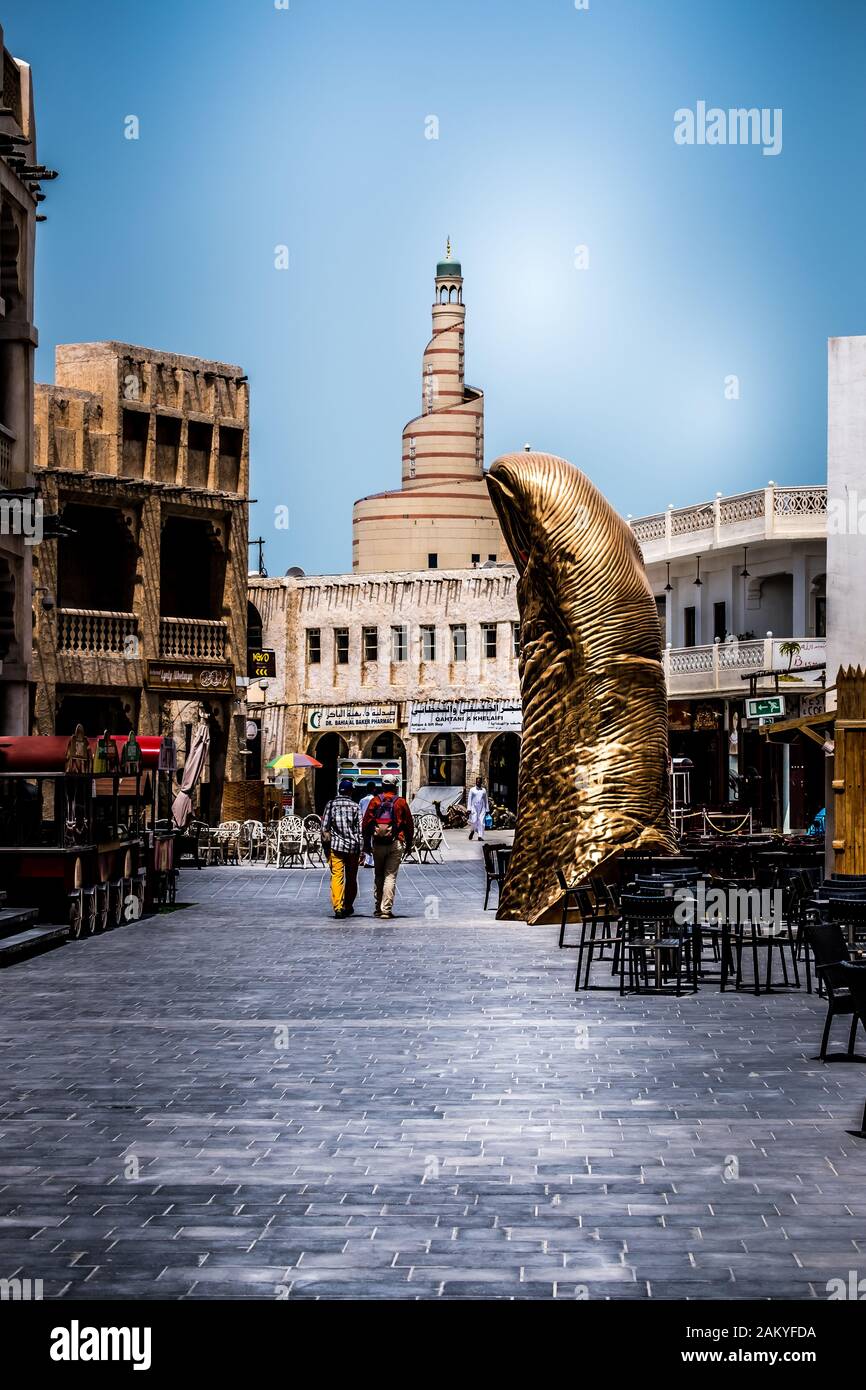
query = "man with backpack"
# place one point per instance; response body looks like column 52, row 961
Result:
column 388, row 832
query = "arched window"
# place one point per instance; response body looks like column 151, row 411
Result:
column 255, row 631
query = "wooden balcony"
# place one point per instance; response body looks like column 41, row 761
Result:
column 193, row 639
column 97, row 632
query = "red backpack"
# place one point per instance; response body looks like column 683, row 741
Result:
column 385, row 824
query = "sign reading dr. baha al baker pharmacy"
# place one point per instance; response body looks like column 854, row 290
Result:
column 382, row 716
column 464, row 716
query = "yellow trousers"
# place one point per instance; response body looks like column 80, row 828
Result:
column 344, row 879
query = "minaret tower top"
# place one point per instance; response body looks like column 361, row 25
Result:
column 449, row 279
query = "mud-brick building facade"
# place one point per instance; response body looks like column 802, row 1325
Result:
column 140, row 603
column 417, row 666
column 20, row 176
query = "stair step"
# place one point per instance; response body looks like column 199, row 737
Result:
column 12, row 917
column 27, row 940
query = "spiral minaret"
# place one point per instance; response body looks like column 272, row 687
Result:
column 442, row 508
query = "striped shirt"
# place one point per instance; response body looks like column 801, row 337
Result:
column 342, row 821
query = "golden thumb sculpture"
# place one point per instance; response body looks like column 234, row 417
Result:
column 593, row 760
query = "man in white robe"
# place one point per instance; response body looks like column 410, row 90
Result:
column 478, row 807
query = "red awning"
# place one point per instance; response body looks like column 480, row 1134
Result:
column 47, row 753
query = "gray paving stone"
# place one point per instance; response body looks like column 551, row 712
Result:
column 447, row 1118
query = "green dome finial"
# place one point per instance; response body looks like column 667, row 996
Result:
column 448, row 267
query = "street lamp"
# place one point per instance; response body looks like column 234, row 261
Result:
column 263, row 687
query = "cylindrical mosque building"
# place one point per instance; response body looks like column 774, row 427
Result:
column 442, row 516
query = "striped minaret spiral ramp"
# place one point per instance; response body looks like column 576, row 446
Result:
column 443, row 507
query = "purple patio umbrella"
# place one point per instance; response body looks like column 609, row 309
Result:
column 181, row 808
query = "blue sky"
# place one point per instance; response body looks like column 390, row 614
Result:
column 306, row 127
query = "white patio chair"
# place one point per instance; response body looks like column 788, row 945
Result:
column 252, row 841
column 290, row 842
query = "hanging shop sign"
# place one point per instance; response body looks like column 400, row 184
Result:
column 261, row 662
column 464, row 716
column 766, row 707
column 191, row 677
column 324, row 717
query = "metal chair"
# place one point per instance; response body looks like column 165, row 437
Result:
column 494, row 868
column 830, row 950
column 854, row 977
column 652, row 934
column 251, row 841
column 313, row 848
column 290, row 842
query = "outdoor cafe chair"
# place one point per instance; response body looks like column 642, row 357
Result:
column 854, row 977
column 747, row 932
column 494, row 867
column 428, row 838
column 850, row 914
column 599, row 928
column 652, row 935
column 227, row 836
column 830, row 950
column 290, row 842
column 251, row 841
column 312, row 832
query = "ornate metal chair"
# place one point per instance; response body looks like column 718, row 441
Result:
column 290, row 842
column 313, row 849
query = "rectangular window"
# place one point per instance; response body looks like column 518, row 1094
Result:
column 458, row 642
column 820, row 616
column 491, row 557
column 371, row 644
column 398, row 644
column 476, row 559
column 428, row 642
column 689, row 627
column 720, row 621
column 662, row 611
column 314, row 646
column 488, row 639
column 341, row 645
column 515, row 639
column 432, row 560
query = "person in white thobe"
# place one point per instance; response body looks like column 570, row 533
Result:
column 366, row 859
column 478, row 807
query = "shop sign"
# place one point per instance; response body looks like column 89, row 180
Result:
column 766, row 707
column 261, row 662
column 808, row 654
column 464, row 716
column 324, row 717
column 811, row 704
column 191, row 677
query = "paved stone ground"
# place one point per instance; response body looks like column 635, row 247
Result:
column 248, row 1099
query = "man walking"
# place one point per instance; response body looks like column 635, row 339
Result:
column 341, row 837
column 478, row 808
column 366, row 859
column 388, row 831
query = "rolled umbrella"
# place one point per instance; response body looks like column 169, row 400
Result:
column 181, row 808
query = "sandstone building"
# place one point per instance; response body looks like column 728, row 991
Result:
column 20, row 175
column 141, row 600
column 420, row 667
column 441, row 517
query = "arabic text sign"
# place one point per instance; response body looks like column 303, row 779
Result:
column 382, row 716
column 169, row 675
column 464, row 716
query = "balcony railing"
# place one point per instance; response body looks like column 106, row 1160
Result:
column 765, row 514
column 192, row 639
column 97, row 632
column 720, row 666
